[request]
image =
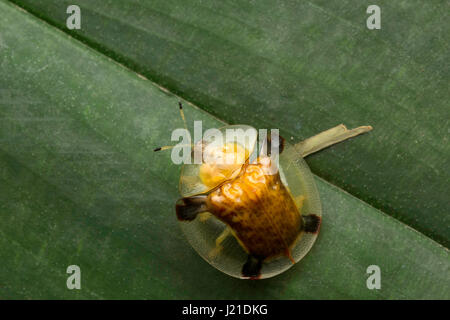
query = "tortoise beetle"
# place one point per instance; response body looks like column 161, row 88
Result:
column 250, row 206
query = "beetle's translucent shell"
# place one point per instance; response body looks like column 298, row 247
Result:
column 202, row 233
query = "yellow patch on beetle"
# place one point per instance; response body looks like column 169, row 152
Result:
column 221, row 162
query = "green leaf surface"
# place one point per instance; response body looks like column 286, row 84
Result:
column 80, row 184
column 303, row 67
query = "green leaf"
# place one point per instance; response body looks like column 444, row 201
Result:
column 303, row 67
column 81, row 185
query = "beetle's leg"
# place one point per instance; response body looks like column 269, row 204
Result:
column 277, row 140
column 289, row 255
column 225, row 233
column 252, row 268
column 204, row 216
column 328, row 138
column 188, row 208
column 312, row 223
column 299, row 200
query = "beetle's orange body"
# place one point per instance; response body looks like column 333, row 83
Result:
column 250, row 199
column 260, row 211
column 253, row 202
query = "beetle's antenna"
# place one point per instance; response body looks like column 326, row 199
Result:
column 184, row 120
column 182, row 115
column 171, row 147
column 185, row 126
column 163, row 148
